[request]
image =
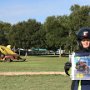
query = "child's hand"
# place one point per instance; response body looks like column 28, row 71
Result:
column 67, row 67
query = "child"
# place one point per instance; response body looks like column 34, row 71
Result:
column 83, row 38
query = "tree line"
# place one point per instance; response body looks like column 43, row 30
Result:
column 56, row 32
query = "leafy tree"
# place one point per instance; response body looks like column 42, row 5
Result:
column 39, row 39
column 4, row 31
column 54, row 32
column 21, row 33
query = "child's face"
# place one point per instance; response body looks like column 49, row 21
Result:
column 85, row 43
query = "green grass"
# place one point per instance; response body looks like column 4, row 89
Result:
column 35, row 64
column 36, row 82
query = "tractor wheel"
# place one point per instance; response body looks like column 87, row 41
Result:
column 7, row 60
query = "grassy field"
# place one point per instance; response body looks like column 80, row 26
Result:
column 35, row 82
column 35, row 64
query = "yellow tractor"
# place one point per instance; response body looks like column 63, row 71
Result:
column 8, row 55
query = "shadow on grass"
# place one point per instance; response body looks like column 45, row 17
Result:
column 14, row 61
column 46, row 55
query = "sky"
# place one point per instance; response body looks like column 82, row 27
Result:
column 14, row 11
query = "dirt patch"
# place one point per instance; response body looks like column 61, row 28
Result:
column 30, row 73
